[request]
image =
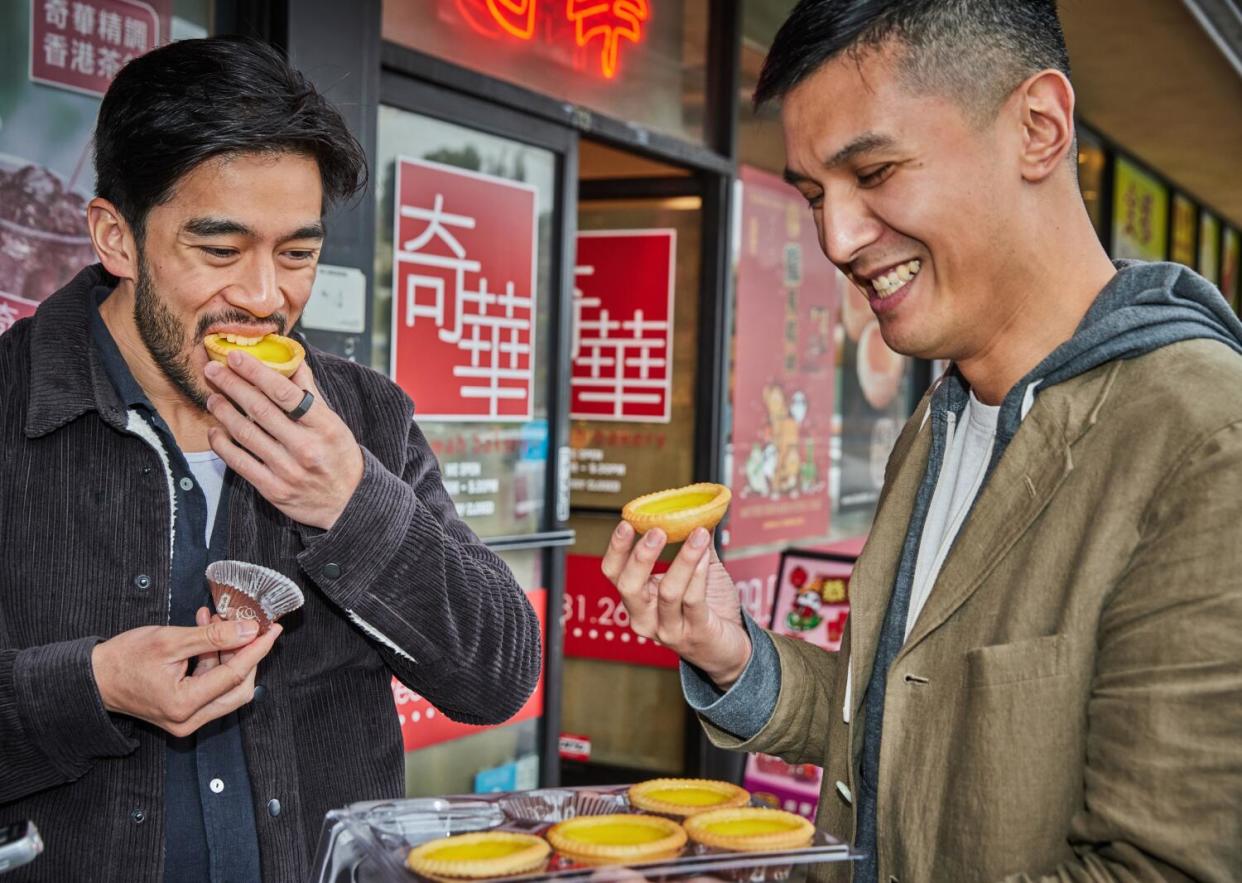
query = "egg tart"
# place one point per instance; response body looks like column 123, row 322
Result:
column 478, row 856
column 617, row 839
column 686, row 797
column 282, row 354
column 750, row 829
column 679, row 511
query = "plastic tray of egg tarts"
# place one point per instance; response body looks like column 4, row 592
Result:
column 661, row 830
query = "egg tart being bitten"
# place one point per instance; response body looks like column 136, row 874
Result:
column 282, row 354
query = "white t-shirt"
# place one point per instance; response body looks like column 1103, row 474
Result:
column 209, row 472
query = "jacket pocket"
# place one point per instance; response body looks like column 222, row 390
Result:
column 1028, row 660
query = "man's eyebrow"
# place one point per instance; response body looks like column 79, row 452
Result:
column 215, row 227
column 864, row 143
column 313, row 230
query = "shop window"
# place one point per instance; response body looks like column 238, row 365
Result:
column 1092, row 160
column 487, row 422
column 642, row 61
column 48, row 106
column 759, row 132
column 1140, row 213
column 1185, row 228
column 1209, row 246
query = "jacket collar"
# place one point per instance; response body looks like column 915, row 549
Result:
column 67, row 376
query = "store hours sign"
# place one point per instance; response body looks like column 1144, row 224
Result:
column 464, row 299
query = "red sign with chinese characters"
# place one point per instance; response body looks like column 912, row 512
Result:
column 464, row 299
column 422, row 724
column 81, row 45
column 597, row 625
column 622, row 349
column 783, row 370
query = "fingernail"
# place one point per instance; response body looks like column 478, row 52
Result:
column 623, row 531
column 247, row 629
column 698, row 539
column 212, row 369
column 235, row 359
column 652, row 539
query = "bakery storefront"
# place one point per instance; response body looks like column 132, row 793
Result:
column 573, row 211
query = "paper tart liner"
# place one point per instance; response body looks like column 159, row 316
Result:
column 686, row 797
column 725, row 829
column 218, row 350
column 705, row 506
column 661, row 838
column 448, row 858
column 244, row 591
column 551, row 805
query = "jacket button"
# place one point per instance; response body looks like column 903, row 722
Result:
column 844, row 791
column 332, row 571
column 142, row 581
column 259, row 692
column 138, row 816
column 273, row 807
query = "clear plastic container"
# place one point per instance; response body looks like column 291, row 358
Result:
column 368, row 842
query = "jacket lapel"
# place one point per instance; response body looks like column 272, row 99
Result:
column 871, row 584
column 1034, row 466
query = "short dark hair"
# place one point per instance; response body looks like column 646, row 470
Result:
column 973, row 51
column 177, row 106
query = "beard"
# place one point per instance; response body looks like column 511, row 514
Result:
column 170, row 343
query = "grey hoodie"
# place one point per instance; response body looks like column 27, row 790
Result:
column 1144, row 307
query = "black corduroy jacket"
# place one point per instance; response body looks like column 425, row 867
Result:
column 398, row 586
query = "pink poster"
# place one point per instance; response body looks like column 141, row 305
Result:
column 464, row 298
column 782, row 370
column 622, row 350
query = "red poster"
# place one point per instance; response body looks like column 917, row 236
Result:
column 423, row 725
column 464, row 299
column 622, row 348
column 813, row 599
column 81, row 45
column 597, row 625
column 783, row 370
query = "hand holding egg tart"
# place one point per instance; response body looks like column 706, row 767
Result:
column 679, row 511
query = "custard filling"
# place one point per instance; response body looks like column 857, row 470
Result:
column 617, row 835
column 477, row 851
column 687, row 796
column 749, row 827
column 676, row 503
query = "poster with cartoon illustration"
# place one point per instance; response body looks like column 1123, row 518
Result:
column 812, row 598
column 782, row 370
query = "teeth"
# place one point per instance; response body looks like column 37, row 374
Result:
column 889, row 283
column 242, row 341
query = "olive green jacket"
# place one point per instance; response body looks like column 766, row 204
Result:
column 1068, row 705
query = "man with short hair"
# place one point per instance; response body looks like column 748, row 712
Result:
column 147, row 739
column 1040, row 677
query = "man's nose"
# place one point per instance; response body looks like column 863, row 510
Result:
column 846, row 227
column 256, row 290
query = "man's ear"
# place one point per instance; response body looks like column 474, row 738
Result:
column 113, row 239
column 1046, row 112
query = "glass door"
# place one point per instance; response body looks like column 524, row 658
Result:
column 469, row 287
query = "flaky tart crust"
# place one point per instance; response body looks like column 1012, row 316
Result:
column 479, row 855
column 617, row 838
column 679, row 511
column 283, row 354
column 686, row 797
column 750, row 829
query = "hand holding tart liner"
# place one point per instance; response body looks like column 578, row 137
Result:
column 686, row 797
column 617, row 838
column 282, row 354
column 750, row 829
column 480, row 855
column 679, row 511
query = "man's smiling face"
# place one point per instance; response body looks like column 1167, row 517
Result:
column 909, row 197
column 233, row 251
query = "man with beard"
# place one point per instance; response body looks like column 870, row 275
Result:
column 147, row 739
column 1040, row 676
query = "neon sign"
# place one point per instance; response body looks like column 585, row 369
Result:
column 587, row 23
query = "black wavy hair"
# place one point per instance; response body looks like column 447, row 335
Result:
column 177, row 106
column 973, row 51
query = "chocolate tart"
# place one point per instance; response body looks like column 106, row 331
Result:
column 750, row 829
column 679, row 511
column 479, row 856
column 617, row 839
column 686, row 797
column 282, row 354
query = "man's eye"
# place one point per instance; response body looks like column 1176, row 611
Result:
column 218, row 252
column 814, row 200
column 301, row 254
column 875, row 176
